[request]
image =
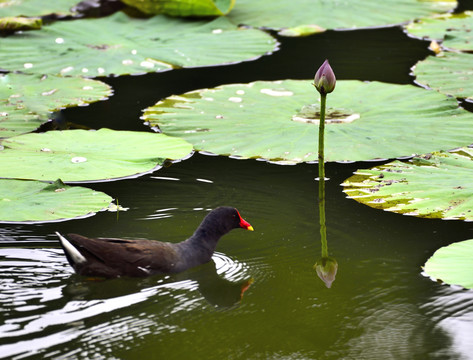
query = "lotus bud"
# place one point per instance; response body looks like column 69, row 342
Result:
column 326, row 269
column 324, row 80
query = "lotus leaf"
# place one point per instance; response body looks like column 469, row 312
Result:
column 27, row 100
column 81, row 155
column 183, row 7
column 437, row 185
column 27, row 201
column 87, row 47
column 451, row 74
column 278, row 120
column 334, row 14
column 10, row 24
column 18, row 121
column 452, row 264
column 35, row 7
column 454, row 30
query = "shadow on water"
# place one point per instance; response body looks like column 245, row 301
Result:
column 221, row 287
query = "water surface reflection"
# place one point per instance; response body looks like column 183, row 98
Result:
column 43, row 304
column 259, row 297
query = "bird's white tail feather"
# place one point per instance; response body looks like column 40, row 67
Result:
column 75, row 255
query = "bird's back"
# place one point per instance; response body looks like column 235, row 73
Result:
column 110, row 257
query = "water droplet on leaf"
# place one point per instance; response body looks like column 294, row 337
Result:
column 78, row 159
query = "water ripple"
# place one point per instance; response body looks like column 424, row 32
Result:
column 232, row 270
column 452, row 313
column 45, row 305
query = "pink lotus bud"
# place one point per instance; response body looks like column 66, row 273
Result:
column 324, row 80
column 326, row 269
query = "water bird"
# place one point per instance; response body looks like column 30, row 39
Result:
column 113, row 257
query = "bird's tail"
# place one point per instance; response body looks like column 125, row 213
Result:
column 72, row 254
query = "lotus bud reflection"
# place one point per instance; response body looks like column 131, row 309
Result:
column 324, row 80
column 326, row 269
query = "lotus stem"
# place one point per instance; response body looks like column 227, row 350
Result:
column 321, row 158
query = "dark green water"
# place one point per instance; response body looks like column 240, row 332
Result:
column 379, row 307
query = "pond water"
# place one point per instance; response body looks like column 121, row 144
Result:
column 260, row 298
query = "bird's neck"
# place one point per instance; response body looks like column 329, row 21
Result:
column 195, row 251
column 205, row 238
column 202, row 244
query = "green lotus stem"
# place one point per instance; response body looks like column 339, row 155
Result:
column 321, row 158
column 324, row 82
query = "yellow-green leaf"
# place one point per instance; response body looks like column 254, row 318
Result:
column 452, row 264
column 183, row 7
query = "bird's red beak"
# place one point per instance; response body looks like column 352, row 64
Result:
column 245, row 224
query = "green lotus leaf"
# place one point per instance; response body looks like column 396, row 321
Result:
column 437, row 185
column 183, row 7
column 453, row 30
column 451, row 74
column 18, row 121
column 334, row 14
column 10, row 24
column 35, row 7
column 81, row 155
column 278, row 121
column 27, row 201
column 89, row 48
column 301, row 30
column 452, row 264
column 27, row 100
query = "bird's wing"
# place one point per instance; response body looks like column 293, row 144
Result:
column 132, row 257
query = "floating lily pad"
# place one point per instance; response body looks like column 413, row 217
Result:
column 453, row 30
column 183, row 7
column 14, row 122
column 10, row 24
column 301, row 30
column 451, row 74
column 278, row 120
column 279, row 14
column 35, row 7
column 42, row 94
column 452, row 264
column 27, row 100
column 81, row 155
column 437, row 185
column 28, row 201
column 89, row 48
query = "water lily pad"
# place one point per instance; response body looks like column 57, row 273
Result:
column 451, row 74
column 334, row 14
column 14, row 122
column 278, row 120
column 28, row 201
column 35, row 7
column 27, row 100
column 183, row 7
column 452, row 264
column 81, row 155
column 437, row 185
column 10, row 24
column 453, row 30
column 87, row 47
